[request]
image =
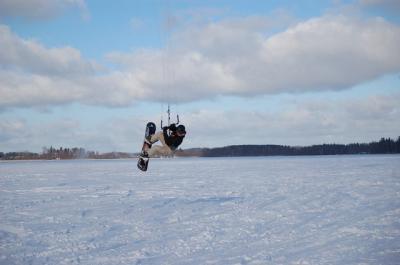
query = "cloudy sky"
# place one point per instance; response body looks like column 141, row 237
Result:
column 91, row 73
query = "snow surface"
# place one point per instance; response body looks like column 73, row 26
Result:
column 267, row 210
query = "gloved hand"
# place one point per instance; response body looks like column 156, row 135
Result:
column 172, row 127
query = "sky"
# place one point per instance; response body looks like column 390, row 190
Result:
column 91, row 74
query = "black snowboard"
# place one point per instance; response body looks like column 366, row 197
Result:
column 143, row 160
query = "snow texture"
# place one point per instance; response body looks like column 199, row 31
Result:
column 267, row 210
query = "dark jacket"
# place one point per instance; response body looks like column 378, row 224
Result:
column 173, row 140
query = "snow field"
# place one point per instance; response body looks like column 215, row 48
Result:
column 267, row 210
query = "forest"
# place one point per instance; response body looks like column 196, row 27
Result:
column 383, row 146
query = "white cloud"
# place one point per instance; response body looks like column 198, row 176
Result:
column 105, row 135
column 330, row 53
column 222, row 58
column 30, row 56
column 230, row 57
column 10, row 129
column 26, row 90
column 40, row 9
column 387, row 5
column 303, row 121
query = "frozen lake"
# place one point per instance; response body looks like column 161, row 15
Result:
column 266, row 210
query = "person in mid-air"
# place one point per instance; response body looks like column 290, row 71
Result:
column 170, row 137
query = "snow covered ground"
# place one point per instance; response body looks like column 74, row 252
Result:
column 269, row 210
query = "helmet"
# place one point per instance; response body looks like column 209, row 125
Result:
column 181, row 129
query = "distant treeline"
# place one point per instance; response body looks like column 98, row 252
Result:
column 63, row 153
column 384, row 146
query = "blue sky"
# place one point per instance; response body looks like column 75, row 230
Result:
column 91, row 74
